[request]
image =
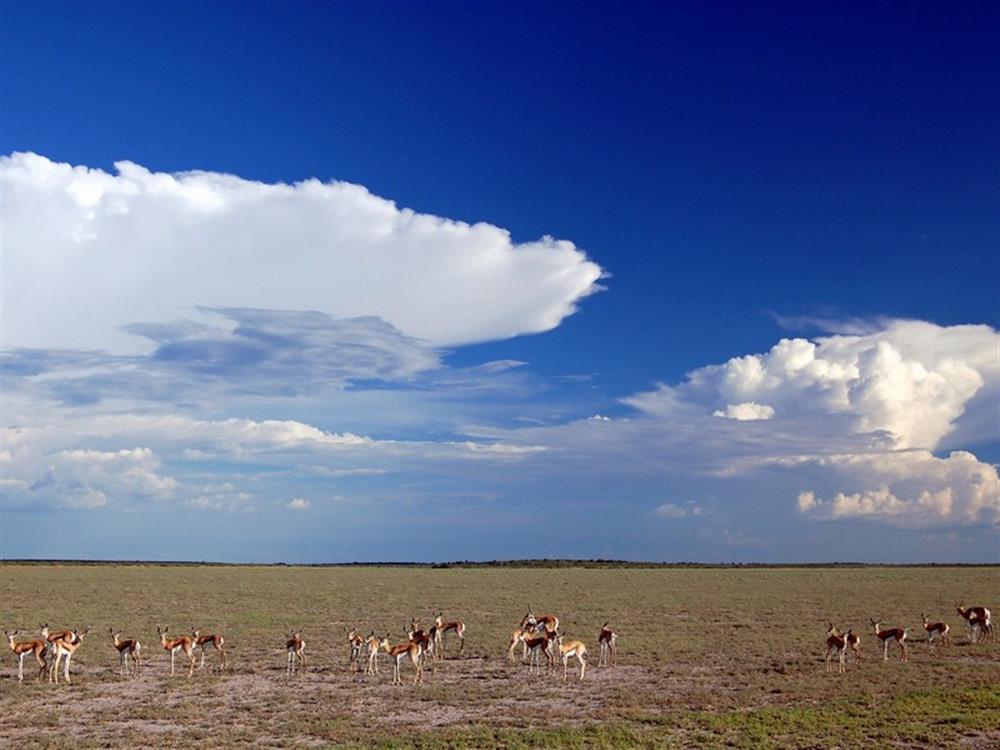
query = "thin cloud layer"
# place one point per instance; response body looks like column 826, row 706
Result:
column 105, row 251
column 261, row 352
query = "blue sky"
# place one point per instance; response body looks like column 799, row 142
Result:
column 321, row 282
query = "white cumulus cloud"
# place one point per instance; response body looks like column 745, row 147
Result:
column 80, row 478
column 673, row 510
column 748, row 411
column 105, row 250
column 911, row 379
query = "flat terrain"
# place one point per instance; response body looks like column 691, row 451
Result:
column 707, row 658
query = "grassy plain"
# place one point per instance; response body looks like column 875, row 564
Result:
column 711, row 658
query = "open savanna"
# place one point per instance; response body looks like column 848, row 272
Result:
column 708, row 657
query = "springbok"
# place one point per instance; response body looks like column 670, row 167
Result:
column 892, row 634
column 128, row 647
column 568, row 649
column 854, row 643
column 399, row 652
column 65, row 647
column 424, row 640
column 373, row 644
column 185, row 644
column 607, row 638
column 216, row 641
column 356, row 644
column 547, row 622
column 835, row 644
column 56, row 635
column 21, row 649
column 540, row 643
column 936, row 631
column 296, row 648
column 976, row 616
column 442, row 628
column 516, row 637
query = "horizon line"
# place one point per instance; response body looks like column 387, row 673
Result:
column 511, row 563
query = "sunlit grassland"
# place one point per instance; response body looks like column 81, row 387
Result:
column 708, row 658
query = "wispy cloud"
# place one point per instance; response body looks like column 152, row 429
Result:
column 263, row 352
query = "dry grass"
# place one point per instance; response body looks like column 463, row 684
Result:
column 708, row 658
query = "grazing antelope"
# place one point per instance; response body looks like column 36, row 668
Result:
column 374, row 643
column 568, row 649
column 21, row 649
column 835, row 644
column 517, row 637
column 607, row 638
column 128, row 647
column 936, row 631
column 854, row 643
column 216, row 641
column 356, row 644
column 185, row 643
column 540, row 643
column 399, row 652
column 64, row 647
column 296, row 651
column 442, row 628
column 547, row 622
column 892, row 634
column 978, row 615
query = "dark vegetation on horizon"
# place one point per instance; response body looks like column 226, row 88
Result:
column 543, row 563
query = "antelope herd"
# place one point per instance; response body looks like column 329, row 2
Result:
column 538, row 636
column 977, row 618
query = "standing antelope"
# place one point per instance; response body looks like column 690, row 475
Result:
column 548, row 622
column 539, row 643
column 56, row 635
column 356, row 644
column 399, row 652
column 892, row 634
column 128, row 647
column 976, row 626
column 64, row 647
column 21, row 649
column 457, row 626
column 516, row 637
column 936, row 631
column 424, row 640
column 609, row 649
column 185, row 643
column 374, row 643
column 835, row 644
column 568, row 649
column 296, row 648
column 976, row 616
column 854, row 643
column 216, row 641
